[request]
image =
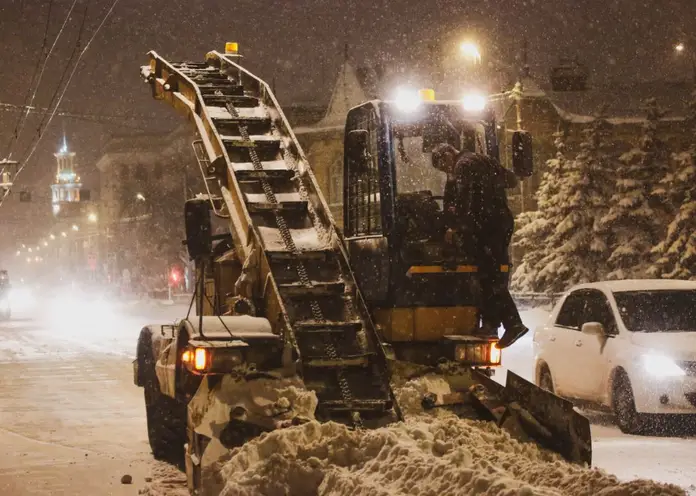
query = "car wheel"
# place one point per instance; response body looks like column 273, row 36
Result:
column 545, row 379
column 624, row 406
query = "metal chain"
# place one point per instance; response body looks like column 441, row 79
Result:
column 286, row 235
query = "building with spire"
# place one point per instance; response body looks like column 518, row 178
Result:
column 66, row 189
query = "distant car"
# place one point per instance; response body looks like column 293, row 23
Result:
column 5, row 310
column 628, row 345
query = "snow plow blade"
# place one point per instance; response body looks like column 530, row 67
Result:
column 528, row 412
column 545, row 418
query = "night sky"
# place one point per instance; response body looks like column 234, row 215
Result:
column 300, row 43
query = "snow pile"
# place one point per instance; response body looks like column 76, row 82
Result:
column 422, row 456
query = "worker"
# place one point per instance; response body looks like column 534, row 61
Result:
column 478, row 220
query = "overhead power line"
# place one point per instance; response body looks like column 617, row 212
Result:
column 38, row 81
column 65, row 71
column 60, row 99
column 42, row 51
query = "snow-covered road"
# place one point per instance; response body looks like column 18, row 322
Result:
column 71, row 421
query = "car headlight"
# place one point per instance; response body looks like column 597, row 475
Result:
column 661, row 366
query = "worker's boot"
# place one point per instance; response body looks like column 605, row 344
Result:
column 512, row 334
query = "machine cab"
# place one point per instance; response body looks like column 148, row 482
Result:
column 393, row 216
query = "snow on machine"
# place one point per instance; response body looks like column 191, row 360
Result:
column 297, row 321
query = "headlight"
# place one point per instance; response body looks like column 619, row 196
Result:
column 661, row 366
column 407, row 100
column 474, row 102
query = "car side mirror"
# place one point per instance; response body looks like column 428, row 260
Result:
column 593, row 329
column 199, row 239
column 522, row 155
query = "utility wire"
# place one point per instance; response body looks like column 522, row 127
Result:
column 42, row 51
column 65, row 88
column 10, row 107
column 38, row 81
column 65, row 71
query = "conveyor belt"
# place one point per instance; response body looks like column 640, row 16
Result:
column 255, row 163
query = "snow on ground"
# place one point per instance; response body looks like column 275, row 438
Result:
column 423, row 456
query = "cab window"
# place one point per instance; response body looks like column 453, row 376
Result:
column 364, row 216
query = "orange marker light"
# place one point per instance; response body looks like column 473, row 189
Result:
column 427, row 94
column 200, row 359
column 186, row 356
column 495, row 353
column 231, row 47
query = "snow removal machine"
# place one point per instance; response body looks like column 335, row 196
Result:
column 298, row 320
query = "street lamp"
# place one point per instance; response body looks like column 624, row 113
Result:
column 681, row 48
column 140, row 197
column 53, row 236
column 64, row 234
column 92, row 217
column 75, row 228
column 470, row 51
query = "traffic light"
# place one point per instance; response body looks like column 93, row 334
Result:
column 174, row 276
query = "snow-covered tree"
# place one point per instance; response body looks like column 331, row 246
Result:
column 577, row 249
column 677, row 252
column 534, row 228
column 637, row 210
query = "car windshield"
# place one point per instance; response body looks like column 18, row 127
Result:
column 658, row 311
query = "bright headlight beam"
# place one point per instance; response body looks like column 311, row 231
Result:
column 661, row 366
column 474, row 102
column 407, row 100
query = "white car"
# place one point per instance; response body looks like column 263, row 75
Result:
column 628, row 345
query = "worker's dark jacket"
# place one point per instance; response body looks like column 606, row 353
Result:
column 476, row 206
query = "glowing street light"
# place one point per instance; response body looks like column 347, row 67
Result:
column 64, row 234
column 29, row 250
column 92, row 217
column 140, row 197
column 679, row 47
column 53, row 236
column 75, row 228
column 19, row 252
column 470, row 51
column 45, row 243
